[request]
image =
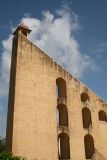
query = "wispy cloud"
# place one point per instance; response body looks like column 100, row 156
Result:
column 101, row 49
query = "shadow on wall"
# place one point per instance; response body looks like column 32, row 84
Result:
column 98, row 156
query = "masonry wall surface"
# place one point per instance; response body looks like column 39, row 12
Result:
column 32, row 130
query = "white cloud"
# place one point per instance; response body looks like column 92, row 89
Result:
column 5, row 65
column 54, row 33
column 2, row 119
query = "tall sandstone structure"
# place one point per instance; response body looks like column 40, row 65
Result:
column 51, row 114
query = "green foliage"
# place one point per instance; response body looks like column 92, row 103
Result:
column 2, row 144
column 9, row 156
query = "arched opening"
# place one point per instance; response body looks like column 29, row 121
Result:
column 63, row 146
column 61, row 88
column 86, row 117
column 84, row 97
column 62, row 115
column 89, row 146
column 102, row 116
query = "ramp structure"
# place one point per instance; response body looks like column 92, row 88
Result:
column 51, row 114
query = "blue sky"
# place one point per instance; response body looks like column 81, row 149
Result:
column 81, row 22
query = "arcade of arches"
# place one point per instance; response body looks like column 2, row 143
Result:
column 62, row 121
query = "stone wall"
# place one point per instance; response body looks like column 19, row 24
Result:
column 35, row 130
